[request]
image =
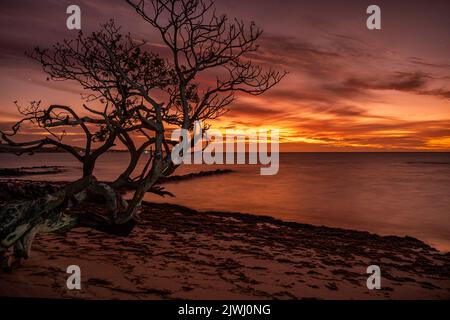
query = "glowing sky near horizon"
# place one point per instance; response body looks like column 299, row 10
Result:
column 348, row 88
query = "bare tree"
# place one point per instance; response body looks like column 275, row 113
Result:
column 110, row 115
column 132, row 91
column 200, row 44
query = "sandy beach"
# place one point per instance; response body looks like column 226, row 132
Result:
column 178, row 253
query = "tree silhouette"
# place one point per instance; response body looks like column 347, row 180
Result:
column 131, row 91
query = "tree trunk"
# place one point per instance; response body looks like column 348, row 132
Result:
column 21, row 220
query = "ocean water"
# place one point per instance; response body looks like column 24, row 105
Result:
column 385, row 193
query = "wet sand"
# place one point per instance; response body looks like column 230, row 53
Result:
column 178, row 253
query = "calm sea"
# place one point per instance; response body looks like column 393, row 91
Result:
column 386, row 193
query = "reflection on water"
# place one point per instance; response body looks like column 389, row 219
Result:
column 386, row 193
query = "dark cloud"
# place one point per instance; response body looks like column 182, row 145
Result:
column 247, row 109
column 421, row 62
column 398, row 81
column 416, row 82
column 320, row 101
column 297, row 55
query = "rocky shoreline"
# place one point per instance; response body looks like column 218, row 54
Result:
column 178, row 253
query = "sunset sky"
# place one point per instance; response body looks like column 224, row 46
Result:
column 348, row 88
